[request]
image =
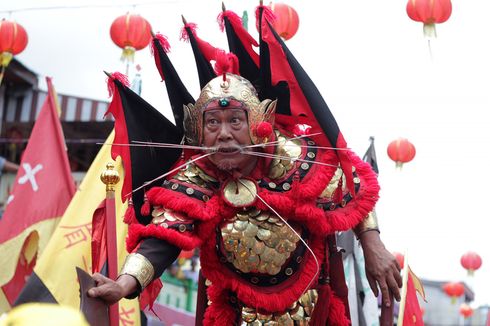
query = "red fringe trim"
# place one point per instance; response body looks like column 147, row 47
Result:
column 184, row 35
column 220, row 312
column 179, row 202
column 137, row 232
column 123, row 79
column 267, row 13
column 232, row 17
column 163, row 42
column 357, row 209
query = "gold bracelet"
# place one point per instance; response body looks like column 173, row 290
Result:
column 139, row 267
column 370, row 223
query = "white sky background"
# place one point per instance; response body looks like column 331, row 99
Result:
column 372, row 65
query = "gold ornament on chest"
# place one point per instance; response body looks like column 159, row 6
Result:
column 258, row 242
column 240, row 193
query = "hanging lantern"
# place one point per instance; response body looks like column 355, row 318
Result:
column 131, row 33
column 429, row 12
column 401, row 151
column 465, row 310
column 399, row 258
column 287, row 20
column 471, row 261
column 454, row 290
column 13, row 40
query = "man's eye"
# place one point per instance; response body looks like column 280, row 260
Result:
column 212, row 122
column 235, row 120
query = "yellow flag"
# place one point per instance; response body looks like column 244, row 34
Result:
column 70, row 245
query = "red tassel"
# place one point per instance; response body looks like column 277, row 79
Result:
column 123, row 79
column 130, row 215
column 232, row 17
column 145, row 208
column 320, row 313
column 339, row 194
column 163, row 42
column 267, row 13
column 184, row 36
column 264, row 129
column 226, row 63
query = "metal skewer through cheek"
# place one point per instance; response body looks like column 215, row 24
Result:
column 285, row 158
column 292, row 229
column 170, row 172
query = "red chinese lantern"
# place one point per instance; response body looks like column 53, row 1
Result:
column 287, row 20
column 429, row 12
column 401, row 151
column 399, row 258
column 131, row 33
column 13, row 40
column 465, row 310
column 471, row 261
column 454, row 290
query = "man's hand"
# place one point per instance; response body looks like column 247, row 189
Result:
column 112, row 291
column 381, row 268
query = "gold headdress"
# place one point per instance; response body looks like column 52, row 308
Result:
column 230, row 91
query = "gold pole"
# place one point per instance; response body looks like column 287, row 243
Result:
column 401, row 310
column 110, row 178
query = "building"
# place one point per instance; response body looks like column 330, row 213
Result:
column 82, row 121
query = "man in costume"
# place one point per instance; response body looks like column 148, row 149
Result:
column 262, row 204
column 259, row 195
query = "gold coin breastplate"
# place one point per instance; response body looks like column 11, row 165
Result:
column 258, row 242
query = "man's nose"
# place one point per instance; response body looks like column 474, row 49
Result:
column 225, row 132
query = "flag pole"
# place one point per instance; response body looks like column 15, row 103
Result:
column 110, row 178
column 401, row 310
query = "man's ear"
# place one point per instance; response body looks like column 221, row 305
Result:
column 192, row 124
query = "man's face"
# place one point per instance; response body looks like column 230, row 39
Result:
column 227, row 130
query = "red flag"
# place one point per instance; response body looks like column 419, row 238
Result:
column 413, row 313
column 99, row 238
column 410, row 312
column 42, row 190
column 104, row 237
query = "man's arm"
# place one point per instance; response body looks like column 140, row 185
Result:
column 381, row 266
column 148, row 263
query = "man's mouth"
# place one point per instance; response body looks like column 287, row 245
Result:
column 228, row 150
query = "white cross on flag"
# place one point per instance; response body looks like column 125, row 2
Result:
column 42, row 190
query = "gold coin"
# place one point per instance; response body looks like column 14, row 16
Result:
column 240, row 225
column 263, row 234
column 267, row 255
column 259, row 248
column 264, row 318
column 298, row 313
column 251, row 230
column 262, row 217
column 240, row 193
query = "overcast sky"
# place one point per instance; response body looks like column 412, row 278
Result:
column 376, row 72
